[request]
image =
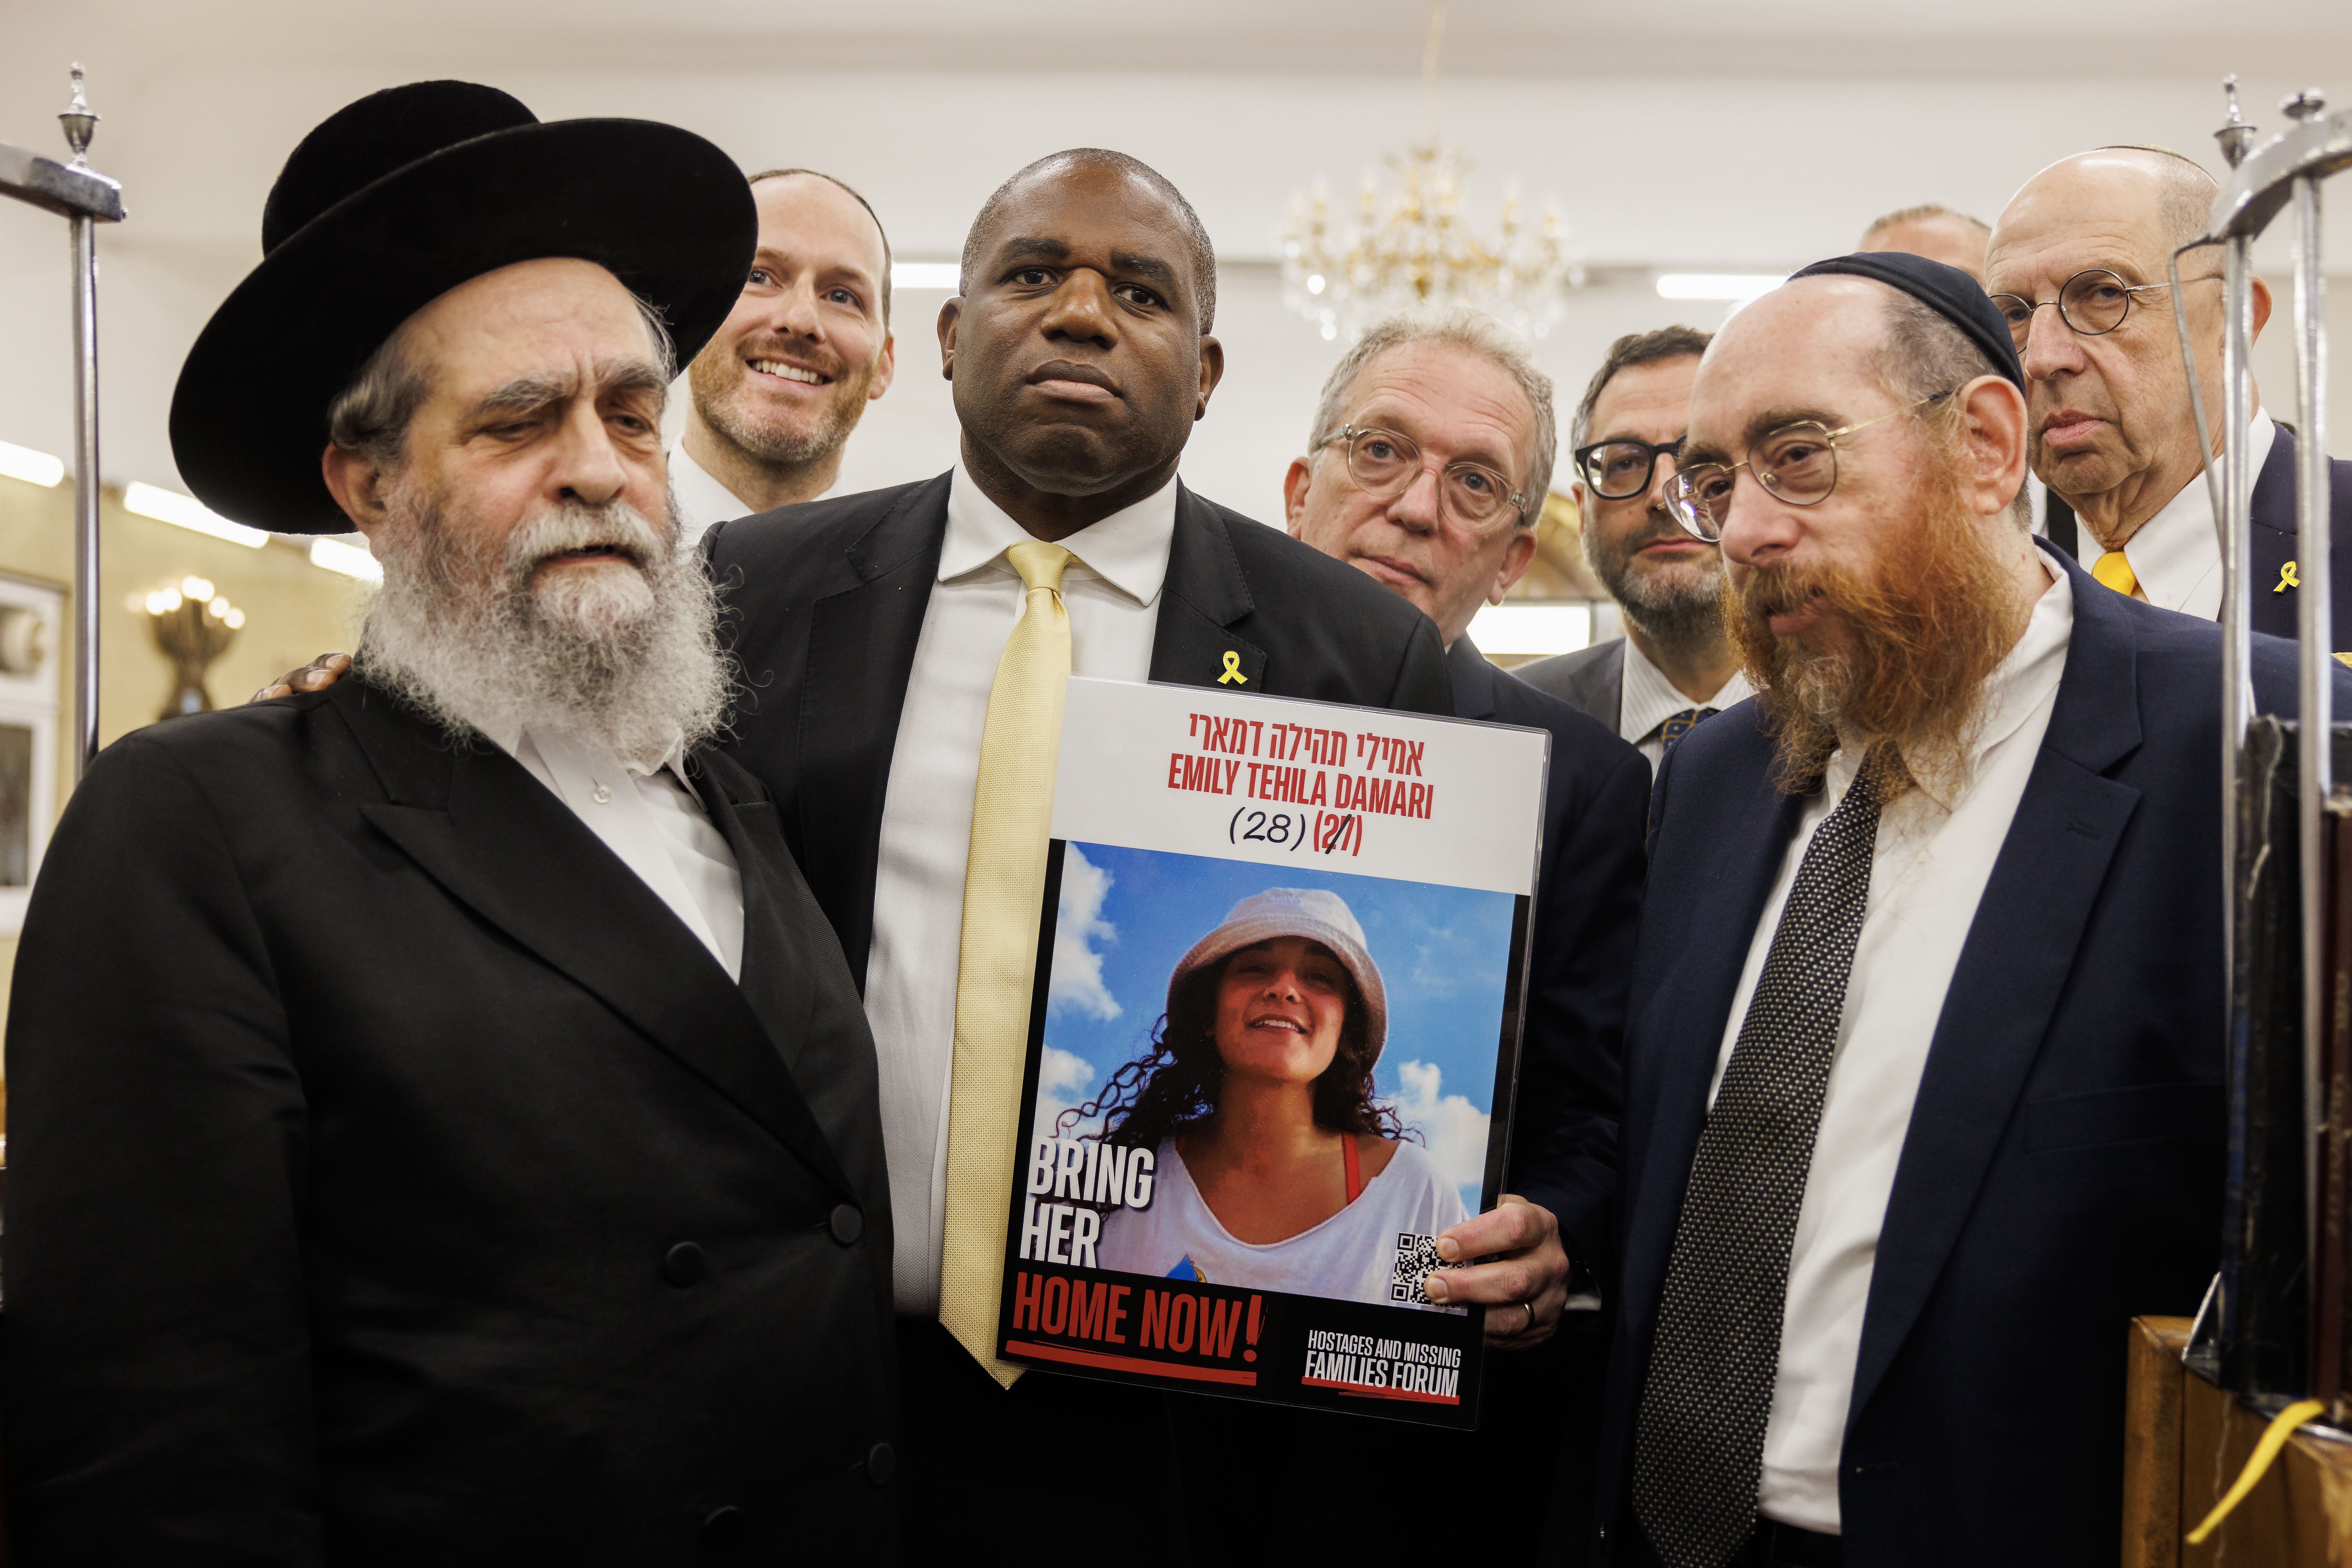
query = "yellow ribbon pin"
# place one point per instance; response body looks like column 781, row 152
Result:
column 1233, row 669
column 2287, row 579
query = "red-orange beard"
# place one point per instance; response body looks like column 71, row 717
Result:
column 1923, row 629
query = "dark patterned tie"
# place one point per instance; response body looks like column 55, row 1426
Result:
column 1698, row 1447
column 1677, row 725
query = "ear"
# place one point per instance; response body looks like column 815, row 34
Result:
column 1992, row 412
column 357, row 484
column 1212, row 371
column 885, row 368
column 950, row 314
column 2261, row 303
column 1517, row 558
column 1295, row 486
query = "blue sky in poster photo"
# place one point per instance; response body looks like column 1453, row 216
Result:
column 1127, row 915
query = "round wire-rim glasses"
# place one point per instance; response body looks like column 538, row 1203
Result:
column 1383, row 464
column 1606, row 463
column 1796, row 463
column 2093, row 302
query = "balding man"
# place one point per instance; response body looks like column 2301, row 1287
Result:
column 1934, row 231
column 777, row 392
column 2077, row 266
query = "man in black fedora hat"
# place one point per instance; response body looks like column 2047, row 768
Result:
column 445, row 1128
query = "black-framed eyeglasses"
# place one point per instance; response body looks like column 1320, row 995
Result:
column 1383, row 464
column 1797, row 463
column 1620, row 469
column 2095, row 302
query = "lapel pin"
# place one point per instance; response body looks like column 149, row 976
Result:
column 2287, row 579
column 1233, row 669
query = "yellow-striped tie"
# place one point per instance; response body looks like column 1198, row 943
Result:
column 2116, row 572
column 1004, row 877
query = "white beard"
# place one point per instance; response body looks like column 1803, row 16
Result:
column 624, row 654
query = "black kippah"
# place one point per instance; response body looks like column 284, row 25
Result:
column 1947, row 291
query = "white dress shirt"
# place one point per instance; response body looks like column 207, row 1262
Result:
column 1927, row 873
column 1648, row 699
column 1111, row 592
column 2175, row 553
column 654, row 821
column 703, row 500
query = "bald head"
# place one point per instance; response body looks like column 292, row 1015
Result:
column 1936, row 232
column 1079, row 161
column 2160, row 199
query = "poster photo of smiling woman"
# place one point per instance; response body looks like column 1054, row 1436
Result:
column 1278, row 1165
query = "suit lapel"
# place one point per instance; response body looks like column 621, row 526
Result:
column 2012, row 970
column 1205, row 594
column 1474, row 679
column 496, row 841
column 861, row 654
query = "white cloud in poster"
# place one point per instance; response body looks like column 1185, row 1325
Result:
column 1062, row 1080
column 1453, row 1131
column 1078, row 927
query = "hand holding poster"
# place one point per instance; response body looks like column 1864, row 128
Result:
column 1273, row 1045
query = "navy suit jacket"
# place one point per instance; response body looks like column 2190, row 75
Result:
column 1588, row 912
column 2063, row 1167
column 2273, row 538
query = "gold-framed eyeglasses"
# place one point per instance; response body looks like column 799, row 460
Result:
column 2095, row 302
column 1384, row 464
column 1796, row 462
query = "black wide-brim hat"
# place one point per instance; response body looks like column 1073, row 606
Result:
column 392, row 202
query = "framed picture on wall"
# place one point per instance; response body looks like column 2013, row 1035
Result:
column 31, row 635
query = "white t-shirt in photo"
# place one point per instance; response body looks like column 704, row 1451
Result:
column 1347, row 1258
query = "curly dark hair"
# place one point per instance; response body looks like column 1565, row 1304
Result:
column 1173, row 1087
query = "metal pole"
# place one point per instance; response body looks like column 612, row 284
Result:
column 2315, row 630
column 86, row 484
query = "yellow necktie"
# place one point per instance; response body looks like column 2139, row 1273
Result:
column 1004, row 877
column 2116, row 572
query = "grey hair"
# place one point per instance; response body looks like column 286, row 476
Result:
column 1463, row 328
column 2186, row 189
column 1923, row 355
column 1633, row 350
column 372, row 413
column 1920, row 214
column 1196, row 235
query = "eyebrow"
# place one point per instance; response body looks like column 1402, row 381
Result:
column 530, row 394
column 1129, row 263
column 1483, row 455
column 769, row 256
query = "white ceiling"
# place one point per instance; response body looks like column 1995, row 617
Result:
column 1721, row 134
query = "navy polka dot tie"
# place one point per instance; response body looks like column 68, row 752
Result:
column 1676, row 725
column 1699, row 1445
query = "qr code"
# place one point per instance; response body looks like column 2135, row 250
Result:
column 1415, row 1256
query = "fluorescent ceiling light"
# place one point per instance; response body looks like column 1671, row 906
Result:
column 944, row 275
column 33, row 468
column 187, row 512
column 1532, row 628
column 1717, row 285
column 351, row 560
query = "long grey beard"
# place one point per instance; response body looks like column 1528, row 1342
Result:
column 629, row 659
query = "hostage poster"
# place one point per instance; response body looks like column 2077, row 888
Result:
column 1273, row 1048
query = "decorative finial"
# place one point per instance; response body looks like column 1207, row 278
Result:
column 2235, row 135
column 2307, row 105
column 78, row 122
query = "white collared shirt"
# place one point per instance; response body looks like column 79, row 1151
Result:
column 2175, row 554
column 703, row 500
column 1111, row 592
column 1928, row 874
column 651, row 818
column 1648, row 699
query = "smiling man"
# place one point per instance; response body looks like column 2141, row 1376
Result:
column 908, row 647
column 2077, row 266
column 781, row 385
column 1923, row 1090
column 446, row 1131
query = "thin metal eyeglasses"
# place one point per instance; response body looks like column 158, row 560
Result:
column 1620, row 469
column 1384, row 463
column 1797, row 463
column 2095, row 302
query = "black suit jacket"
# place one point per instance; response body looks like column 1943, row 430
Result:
column 824, row 604
column 363, row 1101
column 1592, row 680
column 2063, row 1167
column 2273, row 540
column 1588, row 912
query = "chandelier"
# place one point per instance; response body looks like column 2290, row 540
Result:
column 1410, row 244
